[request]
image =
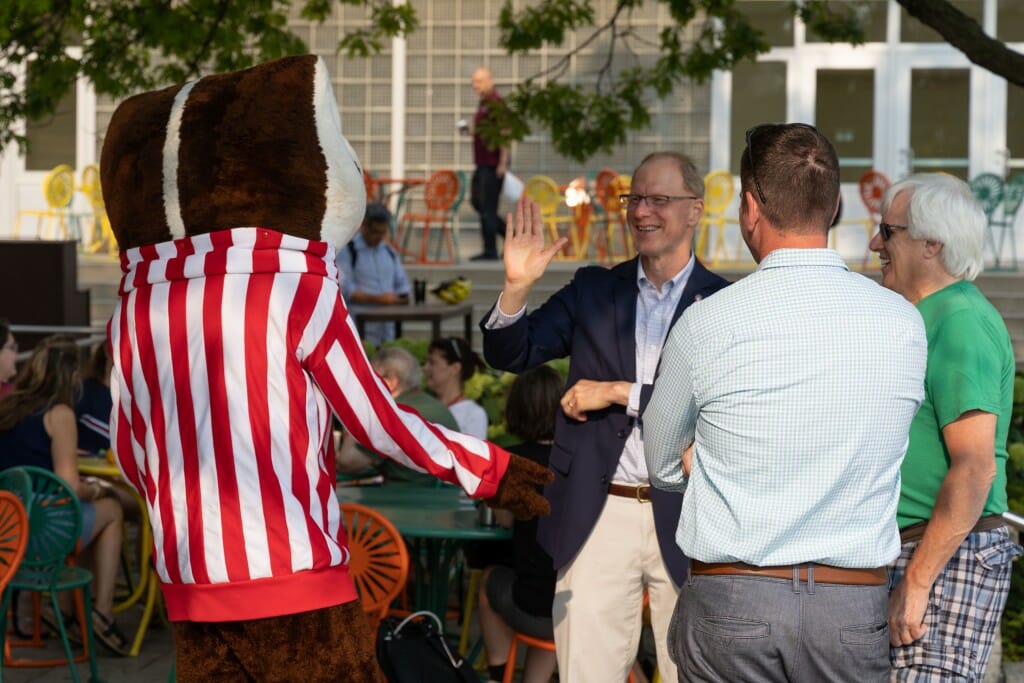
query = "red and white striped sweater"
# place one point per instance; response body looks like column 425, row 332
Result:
column 230, row 351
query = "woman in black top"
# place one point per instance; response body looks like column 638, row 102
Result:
column 519, row 598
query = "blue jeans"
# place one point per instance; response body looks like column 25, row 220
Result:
column 732, row 629
column 485, row 191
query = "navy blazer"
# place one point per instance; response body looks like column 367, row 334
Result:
column 593, row 321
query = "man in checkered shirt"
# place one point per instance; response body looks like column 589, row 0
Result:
column 796, row 387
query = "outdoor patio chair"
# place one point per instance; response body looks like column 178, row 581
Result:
column 55, row 524
column 718, row 192
column 13, row 539
column 614, row 243
column 59, row 191
column 1013, row 195
column 379, row 561
column 545, row 192
column 442, row 195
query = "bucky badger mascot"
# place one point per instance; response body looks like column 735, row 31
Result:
column 232, row 348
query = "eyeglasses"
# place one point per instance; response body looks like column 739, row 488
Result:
column 751, row 132
column 887, row 229
column 654, row 201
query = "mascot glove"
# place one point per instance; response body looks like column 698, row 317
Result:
column 517, row 491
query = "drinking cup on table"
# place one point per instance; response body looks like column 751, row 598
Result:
column 419, row 291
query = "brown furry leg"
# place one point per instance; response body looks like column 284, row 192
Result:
column 323, row 646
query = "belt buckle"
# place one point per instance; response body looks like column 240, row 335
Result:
column 639, row 489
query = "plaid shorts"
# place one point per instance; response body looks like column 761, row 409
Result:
column 964, row 609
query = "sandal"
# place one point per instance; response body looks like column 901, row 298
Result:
column 49, row 620
column 108, row 634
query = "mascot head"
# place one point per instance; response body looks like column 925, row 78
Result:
column 256, row 148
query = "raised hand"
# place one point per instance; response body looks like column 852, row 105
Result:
column 526, row 257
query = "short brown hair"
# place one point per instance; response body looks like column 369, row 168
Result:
column 797, row 171
column 533, row 403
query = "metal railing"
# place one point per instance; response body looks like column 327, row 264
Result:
column 1014, row 520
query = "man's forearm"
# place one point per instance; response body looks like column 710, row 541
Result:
column 958, row 505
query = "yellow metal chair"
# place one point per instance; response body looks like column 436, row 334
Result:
column 544, row 191
column 718, row 192
column 101, row 236
column 59, row 190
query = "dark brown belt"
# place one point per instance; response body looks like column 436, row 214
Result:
column 823, row 573
column 641, row 493
column 915, row 532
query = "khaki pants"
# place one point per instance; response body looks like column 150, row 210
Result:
column 598, row 603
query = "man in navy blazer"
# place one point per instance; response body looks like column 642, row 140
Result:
column 609, row 533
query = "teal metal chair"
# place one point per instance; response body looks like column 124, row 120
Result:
column 55, row 524
column 988, row 190
column 1013, row 196
column 17, row 481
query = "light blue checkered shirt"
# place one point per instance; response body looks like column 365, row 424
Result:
column 797, row 385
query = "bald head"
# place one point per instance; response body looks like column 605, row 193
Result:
column 483, row 81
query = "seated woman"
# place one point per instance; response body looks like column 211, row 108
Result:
column 450, row 362
column 94, row 402
column 38, row 427
column 518, row 598
column 8, row 357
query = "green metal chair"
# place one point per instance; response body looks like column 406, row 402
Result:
column 1013, row 196
column 55, row 524
column 988, row 190
column 17, row 481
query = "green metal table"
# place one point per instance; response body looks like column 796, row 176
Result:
column 435, row 522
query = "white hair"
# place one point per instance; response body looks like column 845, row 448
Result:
column 943, row 208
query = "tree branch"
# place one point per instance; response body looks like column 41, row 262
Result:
column 965, row 34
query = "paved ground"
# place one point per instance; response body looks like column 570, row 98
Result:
column 153, row 664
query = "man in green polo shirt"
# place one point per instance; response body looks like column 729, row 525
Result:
column 402, row 374
column 950, row 582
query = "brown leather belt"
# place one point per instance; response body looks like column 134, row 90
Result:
column 823, row 573
column 641, row 493
column 915, row 532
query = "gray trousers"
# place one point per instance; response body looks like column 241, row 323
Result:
column 744, row 628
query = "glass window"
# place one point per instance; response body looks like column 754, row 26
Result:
column 939, row 114
column 1010, row 21
column 844, row 112
column 758, row 96
column 51, row 140
column 872, row 15
column 1014, row 129
column 913, row 31
column 772, row 18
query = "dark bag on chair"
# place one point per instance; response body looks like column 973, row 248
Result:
column 414, row 650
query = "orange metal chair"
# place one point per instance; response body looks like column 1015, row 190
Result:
column 614, row 243
column 13, row 537
column 379, row 561
column 442, row 195
column 872, row 185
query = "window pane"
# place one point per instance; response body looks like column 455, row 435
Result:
column 772, row 18
column 1014, row 129
column 913, row 31
column 758, row 96
column 1010, row 21
column 938, row 120
column 51, row 140
column 844, row 112
column 872, row 15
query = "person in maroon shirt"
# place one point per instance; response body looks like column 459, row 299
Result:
column 491, row 165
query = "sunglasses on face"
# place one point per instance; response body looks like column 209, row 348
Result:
column 887, row 229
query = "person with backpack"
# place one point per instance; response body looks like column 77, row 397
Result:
column 371, row 271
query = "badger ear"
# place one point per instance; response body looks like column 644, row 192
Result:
column 346, row 193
